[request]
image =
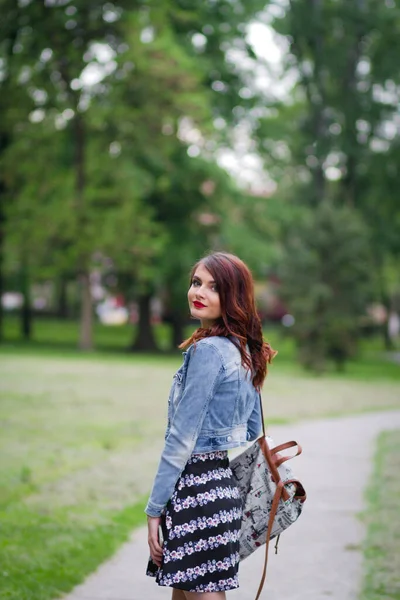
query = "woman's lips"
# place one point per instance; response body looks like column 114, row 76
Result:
column 198, row 305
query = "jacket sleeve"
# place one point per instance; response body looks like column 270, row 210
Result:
column 254, row 424
column 204, row 372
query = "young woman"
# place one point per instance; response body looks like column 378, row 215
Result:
column 213, row 406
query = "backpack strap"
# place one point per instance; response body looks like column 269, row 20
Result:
column 274, row 508
column 281, row 492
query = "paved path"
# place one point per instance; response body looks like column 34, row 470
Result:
column 319, row 556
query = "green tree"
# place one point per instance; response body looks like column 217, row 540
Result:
column 54, row 43
column 326, row 283
column 207, row 86
column 194, row 206
column 14, row 106
column 143, row 119
column 334, row 137
column 93, row 124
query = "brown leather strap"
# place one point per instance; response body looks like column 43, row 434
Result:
column 272, row 465
column 274, row 508
column 280, row 492
column 286, row 446
column 279, row 461
column 262, row 415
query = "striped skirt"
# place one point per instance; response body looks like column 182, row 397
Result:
column 201, row 527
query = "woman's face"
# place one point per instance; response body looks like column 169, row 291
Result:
column 204, row 303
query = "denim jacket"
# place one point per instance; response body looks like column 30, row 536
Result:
column 212, row 405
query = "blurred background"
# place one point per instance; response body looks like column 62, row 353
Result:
column 135, row 136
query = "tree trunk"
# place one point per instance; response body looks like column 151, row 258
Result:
column 26, row 310
column 8, row 55
column 86, row 317
column 62, row 298
column 26, row 319
column 145, row 340
column 352, row 109
column 86, row 321
column 2, row 290
column 177, row 329
column 314, row 85
column 4, row 143
column 387, row 340
column 385, row 300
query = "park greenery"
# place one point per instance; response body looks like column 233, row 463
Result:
column 81, row 437
column 114, row 116
column 382, row 545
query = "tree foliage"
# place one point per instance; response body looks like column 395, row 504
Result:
column 112, row 117
column 334, row 139
column 98, row 163
column 325, row 290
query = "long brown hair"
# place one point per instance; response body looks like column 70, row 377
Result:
column 239, row 317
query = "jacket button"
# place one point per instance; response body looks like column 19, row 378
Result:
column 229, row 438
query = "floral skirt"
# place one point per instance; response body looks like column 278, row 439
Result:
column 201, row 527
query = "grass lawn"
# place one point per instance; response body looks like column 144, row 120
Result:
column 81, row 436
column 382, row 546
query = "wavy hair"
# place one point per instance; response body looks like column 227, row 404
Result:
column 239, row 317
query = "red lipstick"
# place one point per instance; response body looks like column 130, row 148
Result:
column 198, row 304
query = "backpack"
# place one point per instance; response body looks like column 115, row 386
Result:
column 272, row 498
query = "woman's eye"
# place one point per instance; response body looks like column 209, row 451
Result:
column 197, row 283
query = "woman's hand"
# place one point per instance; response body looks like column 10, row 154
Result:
column 154, row 545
